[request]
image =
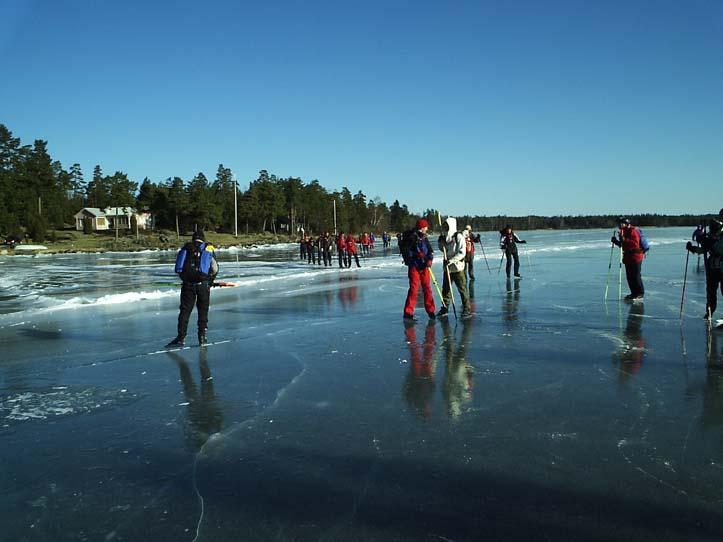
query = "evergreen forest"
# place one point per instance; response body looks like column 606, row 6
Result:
column 38, row 193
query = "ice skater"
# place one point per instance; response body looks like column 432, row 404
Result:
column 451, row 243
column 341, row 249
column 633, row 254
column 508, row 243
column 197, row 267
column 351, row 250
column 417, row 254
column 711, row 246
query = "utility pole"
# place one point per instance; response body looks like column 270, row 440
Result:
column 334, row 216
column 235, row 206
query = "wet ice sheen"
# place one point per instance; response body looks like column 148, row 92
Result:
column 550, row 415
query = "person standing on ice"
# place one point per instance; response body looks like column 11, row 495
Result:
column 197, row 267
column 325, row 244
column 451, row 243
column 711, row 246
column 629, row 240
column 418, row 255
column 508, row 243
column 469, row 240
column 341, row 249
column 351, row 250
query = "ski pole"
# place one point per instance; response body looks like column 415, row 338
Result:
column 620, row 275
column 685, row 278
column 501, row 259
column 485, row 256
column 529, row 262
column 446, row 263
column 610, row 265
column 436, row 285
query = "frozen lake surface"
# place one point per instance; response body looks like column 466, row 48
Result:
column 318, row 415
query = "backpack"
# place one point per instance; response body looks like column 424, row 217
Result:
column 644, row 244
column 195, row 263
column 192, row 265
column 716, row 254
column 407, row 242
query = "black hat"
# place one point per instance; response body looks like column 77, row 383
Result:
column 624, row 220
column 198, row 236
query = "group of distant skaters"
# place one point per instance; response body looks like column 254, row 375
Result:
column 320, row 250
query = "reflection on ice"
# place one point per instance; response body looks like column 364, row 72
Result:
column 299, row 422
column 458, row 373
column 203, row 415
column 631, row 353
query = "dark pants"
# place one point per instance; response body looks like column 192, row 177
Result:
column 469, row 266
column 348, row 259
column 635, row 281
column 342, row 258
column 510, row 256
column 712, row 283
column 194, row 293
column 460, row 280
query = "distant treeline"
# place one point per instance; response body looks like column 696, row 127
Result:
column 495, row 223
column 38, row 193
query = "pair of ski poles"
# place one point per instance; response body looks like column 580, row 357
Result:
column 620, row 271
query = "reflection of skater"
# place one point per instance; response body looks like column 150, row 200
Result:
column 631, row 353
column 713, row 396
column 348, row 295
column 511, row 300
column 204, row 414
column 633, row 255
column 196, row 265
column 508, row 243
column 419, row 385
column 417, row 255
column 458, row 374
column 711, row 246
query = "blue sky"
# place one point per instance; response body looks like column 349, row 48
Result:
column 509, row 107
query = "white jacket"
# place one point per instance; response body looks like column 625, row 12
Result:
column 454, row 244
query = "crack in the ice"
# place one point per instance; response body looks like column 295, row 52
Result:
column 237, row 427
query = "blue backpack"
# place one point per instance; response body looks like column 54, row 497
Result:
column 644, row 244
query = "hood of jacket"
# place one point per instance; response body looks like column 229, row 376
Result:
column 451, row 228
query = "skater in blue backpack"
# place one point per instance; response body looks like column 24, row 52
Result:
column 197, row 267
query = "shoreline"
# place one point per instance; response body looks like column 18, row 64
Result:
column 74, row 242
